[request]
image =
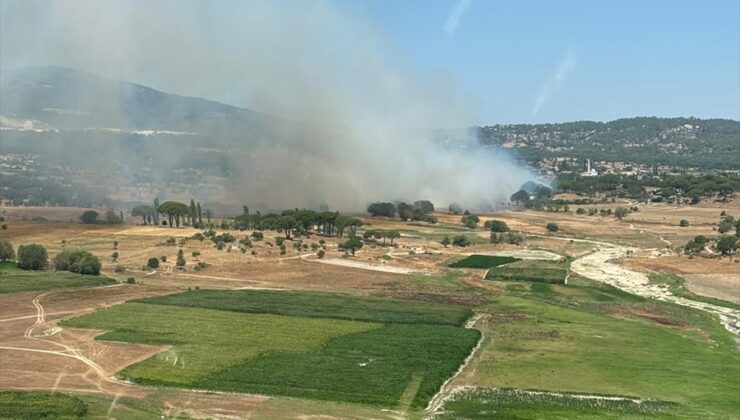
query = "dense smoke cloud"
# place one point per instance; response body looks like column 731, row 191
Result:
column 364, row 116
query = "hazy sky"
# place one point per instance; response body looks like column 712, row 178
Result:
column 513, row 61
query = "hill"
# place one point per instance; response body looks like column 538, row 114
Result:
column 707, row 144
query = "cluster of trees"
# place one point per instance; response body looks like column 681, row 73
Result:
column 77, row 261
column 300, row 222
column 177, row 213
column 457, row 240
column 35, row 257
column 30, row 189
column 532, row 195
column 470, row 220
column 110, row 217
column 667, row 186
column 500, row 233
column 376, row 235
column 418, row 211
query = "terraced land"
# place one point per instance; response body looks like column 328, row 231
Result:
column 13, row 280
column 543, row 275
column 288, row 343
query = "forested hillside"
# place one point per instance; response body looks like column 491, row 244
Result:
column 682, row 142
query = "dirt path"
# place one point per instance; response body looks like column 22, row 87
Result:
column 597, row 266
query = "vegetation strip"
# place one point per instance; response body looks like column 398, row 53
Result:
column 483, row 261
column 318, row 305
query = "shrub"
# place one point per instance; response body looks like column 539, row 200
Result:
column 460, row 240
column 198, row 236
column 114, row 256
column 32, row 257
column 552, row 227
column 683, row 223
column 152, row 262
column 257, row 236
column 470, row 221
column 220, row 245
column 163, row 258
column 77, row 261
column 195, row 254
column 496, row 226
column 119, row 269
column 89, row 217
column 7, row 253
column 321, row 254
column 131, row 280
column 245, row 243
column 445, row 241
column 200, row 266
column 170, row 241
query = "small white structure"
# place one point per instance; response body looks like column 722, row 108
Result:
column 589, row 170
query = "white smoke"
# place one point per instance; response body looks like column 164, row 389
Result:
column 365, row 113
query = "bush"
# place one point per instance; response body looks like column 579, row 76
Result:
column 7, row 253
column 163, row 258
column 552, row 227
column 131, row 280
column 683, row 223
column 497, row 226
column 89, row 217
column 77, row 261
column 114, row 256
column 257, row 236
column 195, row 254
column 321, row 254
column 200, row 266
column 119, row 269
column 32, row 257
column 470, row 221
column 152, row 262
column 198, row 236
column 460, row 240
column 220, row 245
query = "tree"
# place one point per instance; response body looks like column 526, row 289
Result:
column 683, row 223
column 727, row 244
column 32, row 257
column 620, row 212
column 445, row 241
column 321, row 254
column 470, row 221
column 353, row 244
column 392, row 234
column 156, row 211
column 173, row 210
column 200, row 216
column 180, row 263
column 455, row 208
column 89, row 217
column 498, row 226
column 194, row 214
column 286, row 223
column 405, row 211
column 382, row 209
column 520, row 197
column 552, row 227
column 152, row 263
column 461, row 241
column 77, row 261
column 425, row 206
column 7, row 253
column 145, row 212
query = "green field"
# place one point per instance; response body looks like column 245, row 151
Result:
column 485, row 403
column 482, row 261
column 542, row 275
column 676, row 286
column 318, row 305
column 37, row 405
column 389, row 358
column 13, row 280
column 591, row 338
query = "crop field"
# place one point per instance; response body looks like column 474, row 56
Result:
column 36, row 405
column 14, row 280
column 482, row 261
column 389, row 358
column 318, row 305
column 544, row 274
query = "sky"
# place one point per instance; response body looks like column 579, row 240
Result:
column 512, row 61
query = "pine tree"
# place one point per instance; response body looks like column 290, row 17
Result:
column 180, row 259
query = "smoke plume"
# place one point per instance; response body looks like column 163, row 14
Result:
column 355, row 122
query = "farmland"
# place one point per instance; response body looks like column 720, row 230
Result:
column 482, row 261
column 284, row 337
column 245, row 347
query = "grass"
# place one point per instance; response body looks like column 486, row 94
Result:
column 543, row 275
column 482, row 261
column 206, row 341
column 14, row 280
column 38, row 405
column 677, row 287
column 485, row 403
column 318, row 305
column 289, row 350
column 594, row 339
